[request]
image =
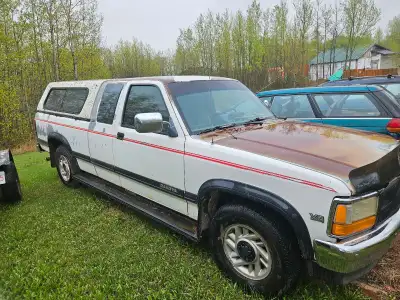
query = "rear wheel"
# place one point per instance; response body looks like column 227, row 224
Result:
column 66, row 166
column 12, row 191
column 256, row 251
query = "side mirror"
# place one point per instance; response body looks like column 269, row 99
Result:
column 148, row 122
column 267, row 103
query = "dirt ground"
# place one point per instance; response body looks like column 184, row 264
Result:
column 383, row 282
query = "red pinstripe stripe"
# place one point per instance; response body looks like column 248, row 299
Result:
column 155, row 146
column 259, row 171
column 206, row 158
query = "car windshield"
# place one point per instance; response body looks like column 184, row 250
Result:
column 207, row 104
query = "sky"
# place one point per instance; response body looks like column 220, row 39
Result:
column 157, row 22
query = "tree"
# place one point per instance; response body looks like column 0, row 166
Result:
column 393, row 35
column 360, row 17
column 378, row 38
column 336, row 31
column 317, row 33
column 49, row 40
column 303, row 19
column 326, row 13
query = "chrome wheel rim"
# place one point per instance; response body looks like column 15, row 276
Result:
column 65, row 170
column 247, row 252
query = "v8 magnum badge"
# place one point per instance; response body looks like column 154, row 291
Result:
column 318, row 218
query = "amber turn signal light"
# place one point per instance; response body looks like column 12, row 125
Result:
column 347, row 229
column 356, row 216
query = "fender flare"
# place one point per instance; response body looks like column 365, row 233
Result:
column 268, row 199
column 60, row 140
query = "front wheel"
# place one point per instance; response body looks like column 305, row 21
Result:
column 256, row 251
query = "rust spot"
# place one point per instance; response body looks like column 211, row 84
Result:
column 332, row 150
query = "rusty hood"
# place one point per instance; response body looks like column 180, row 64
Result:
column 329, row 149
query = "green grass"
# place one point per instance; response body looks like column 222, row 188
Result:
column 63, row 243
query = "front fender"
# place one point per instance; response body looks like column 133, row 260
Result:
column 269, row 200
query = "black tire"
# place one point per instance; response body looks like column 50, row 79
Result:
column 11, row 191
column 282, row 245
column 70, row 166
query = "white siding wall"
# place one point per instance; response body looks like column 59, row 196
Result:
column 372, row 62
column 387, row 62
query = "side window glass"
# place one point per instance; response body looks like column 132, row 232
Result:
column 394, row 88
column 143, row 99
column 108, row 103
column 350, row 105
column 359, row 105
column 74, row 100
column 54, row 100
column 324, row 102
column 293, row 106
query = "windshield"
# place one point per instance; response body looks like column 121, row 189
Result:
column 211, row 103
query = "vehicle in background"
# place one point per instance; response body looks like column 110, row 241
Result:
column 359, row 107
column 389, row 82
column 203, row 156
column 10, row 188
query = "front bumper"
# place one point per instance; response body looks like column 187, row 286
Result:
column 360, row 252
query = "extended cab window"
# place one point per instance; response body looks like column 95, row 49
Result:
column 347, row 105
column 143, row 99
column 109, row 102
column 67, row 100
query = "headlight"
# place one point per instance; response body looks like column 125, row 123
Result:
column 356, row 216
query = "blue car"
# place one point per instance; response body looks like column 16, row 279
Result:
column 389, row 82
column 363, row 107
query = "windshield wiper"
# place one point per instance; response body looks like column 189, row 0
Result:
column 257, row 120
column 220, row 127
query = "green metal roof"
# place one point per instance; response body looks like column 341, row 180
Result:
column 339, row 55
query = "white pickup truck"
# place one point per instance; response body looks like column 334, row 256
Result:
column 204, row 155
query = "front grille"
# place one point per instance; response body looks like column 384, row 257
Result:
column 389, row 201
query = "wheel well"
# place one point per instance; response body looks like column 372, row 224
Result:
column 54, row 143
column 215, row 199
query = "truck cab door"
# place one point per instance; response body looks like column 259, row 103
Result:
column 150, row 164
column 103, row 131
